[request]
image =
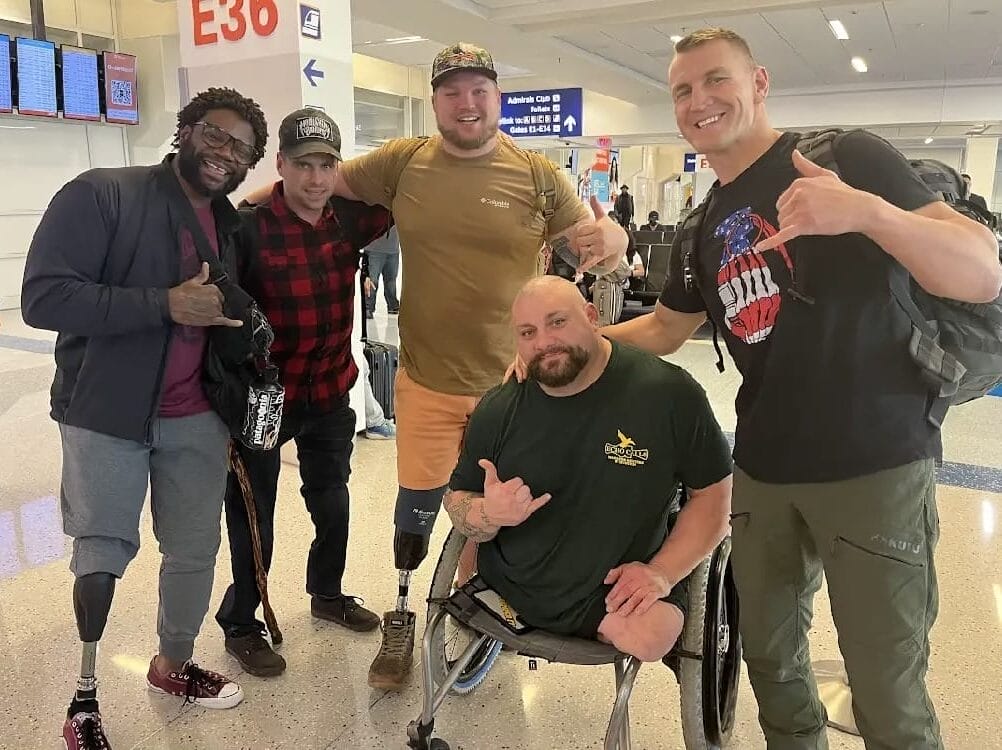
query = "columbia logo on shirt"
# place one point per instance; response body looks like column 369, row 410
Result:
column 496, row 203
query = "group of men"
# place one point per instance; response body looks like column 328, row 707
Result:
column 533, row 471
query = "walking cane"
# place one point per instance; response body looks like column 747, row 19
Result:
column 260, row 574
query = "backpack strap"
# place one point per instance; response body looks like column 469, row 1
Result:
column 544, row 185
column 411, row 146
column 248, row 242
column 688, row 237
column 819, row 147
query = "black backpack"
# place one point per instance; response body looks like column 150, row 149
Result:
column 956, row 345
column 234, row 357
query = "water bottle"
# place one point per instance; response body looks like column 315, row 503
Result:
column 263, row 419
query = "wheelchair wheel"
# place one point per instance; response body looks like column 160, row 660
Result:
column 451, row 639
column 709, row 685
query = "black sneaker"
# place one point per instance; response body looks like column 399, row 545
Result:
column 82, row 729
column 345, row 610
column 255, row 655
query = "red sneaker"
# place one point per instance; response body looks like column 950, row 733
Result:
column 83, row 731
column 196, row 685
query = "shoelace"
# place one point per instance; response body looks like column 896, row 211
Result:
column 90, row 733
column 352, row 602
column 196, row 678
column 394, row 640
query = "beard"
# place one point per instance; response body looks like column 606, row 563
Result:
column 452, row 135
column 189, row 164
column 559, row 375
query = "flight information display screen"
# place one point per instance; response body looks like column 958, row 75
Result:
column 81, row 95
column 36, row 77
column 6, row 100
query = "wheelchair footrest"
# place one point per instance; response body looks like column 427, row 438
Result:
column 465, row 607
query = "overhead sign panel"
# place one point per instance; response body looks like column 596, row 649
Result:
column 533, row 114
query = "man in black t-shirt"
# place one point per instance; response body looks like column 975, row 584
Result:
column 835, row 455
column 569, row 490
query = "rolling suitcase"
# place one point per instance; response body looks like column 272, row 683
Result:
column 383, row 360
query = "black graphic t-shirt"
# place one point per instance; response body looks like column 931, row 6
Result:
column 829, row 391
column 611, row 457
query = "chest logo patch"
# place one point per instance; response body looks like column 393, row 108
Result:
column 495, row 203
column 750, row 296
column 626, row 452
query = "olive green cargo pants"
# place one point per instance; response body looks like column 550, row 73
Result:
column 873, row 537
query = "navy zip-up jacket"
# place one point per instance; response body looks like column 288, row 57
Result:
column 98, row 270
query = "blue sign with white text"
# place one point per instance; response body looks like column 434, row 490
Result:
column 309, row 21
column 690, row 163
column 533, row 114
column 600, row 186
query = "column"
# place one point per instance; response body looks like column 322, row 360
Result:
column 285, row 55
column 980, row 160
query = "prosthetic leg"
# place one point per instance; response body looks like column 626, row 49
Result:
column 414, row 519
column 92, row 595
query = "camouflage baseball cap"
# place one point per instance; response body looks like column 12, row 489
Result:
column 461, row 57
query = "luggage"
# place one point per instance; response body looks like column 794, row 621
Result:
column 607, row 296
column 383, row 360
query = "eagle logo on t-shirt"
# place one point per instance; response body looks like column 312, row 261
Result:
column 750, row 296
column 626, row 452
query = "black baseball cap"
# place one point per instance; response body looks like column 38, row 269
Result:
column 309, row 131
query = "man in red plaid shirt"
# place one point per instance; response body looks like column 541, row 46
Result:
column 302, row 273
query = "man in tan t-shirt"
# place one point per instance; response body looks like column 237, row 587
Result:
column 471, row 222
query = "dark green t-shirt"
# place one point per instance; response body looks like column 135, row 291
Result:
column 611, row 457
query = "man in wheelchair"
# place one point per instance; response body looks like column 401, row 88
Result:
column 567, row 480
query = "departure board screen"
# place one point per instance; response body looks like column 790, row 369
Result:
column 6, row 100
column 36, row 77
column 81, row 96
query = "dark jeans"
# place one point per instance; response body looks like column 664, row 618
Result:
column 386, row 265
column 324, row 444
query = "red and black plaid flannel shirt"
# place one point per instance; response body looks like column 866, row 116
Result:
column 305, row 282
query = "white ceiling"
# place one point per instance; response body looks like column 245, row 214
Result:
column 621, row 48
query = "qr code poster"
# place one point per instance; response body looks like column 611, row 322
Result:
column 121, row 93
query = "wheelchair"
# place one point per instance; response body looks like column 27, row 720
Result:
column 706, row 660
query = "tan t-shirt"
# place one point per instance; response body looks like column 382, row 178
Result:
column 470, row 234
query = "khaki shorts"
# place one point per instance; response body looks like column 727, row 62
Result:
column 430, row 431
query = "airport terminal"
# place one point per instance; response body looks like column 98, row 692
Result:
column 485, row 374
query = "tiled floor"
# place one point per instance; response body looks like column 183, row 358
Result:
column 322, row 701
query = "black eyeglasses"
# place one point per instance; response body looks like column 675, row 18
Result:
column 243, row 153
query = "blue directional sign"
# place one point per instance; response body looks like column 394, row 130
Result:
column 532, row 114
column 690, row 163
column 309, row 21
column 312, row 72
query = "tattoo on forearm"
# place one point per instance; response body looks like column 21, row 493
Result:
column 458, row 505
column 562, row 247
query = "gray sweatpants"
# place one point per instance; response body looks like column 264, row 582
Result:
column 104, row 483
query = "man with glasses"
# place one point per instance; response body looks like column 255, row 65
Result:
column 302, row 273
column 114, row 267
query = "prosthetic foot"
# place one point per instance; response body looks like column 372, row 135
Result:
column 392, row 665
column 92, row 595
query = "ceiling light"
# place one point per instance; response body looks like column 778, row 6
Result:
column 859, row 64
column 928, row 140
column 838, row 29
column 404, row 39
column 676, row 39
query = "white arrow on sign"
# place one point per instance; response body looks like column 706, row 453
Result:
column 570, row 122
